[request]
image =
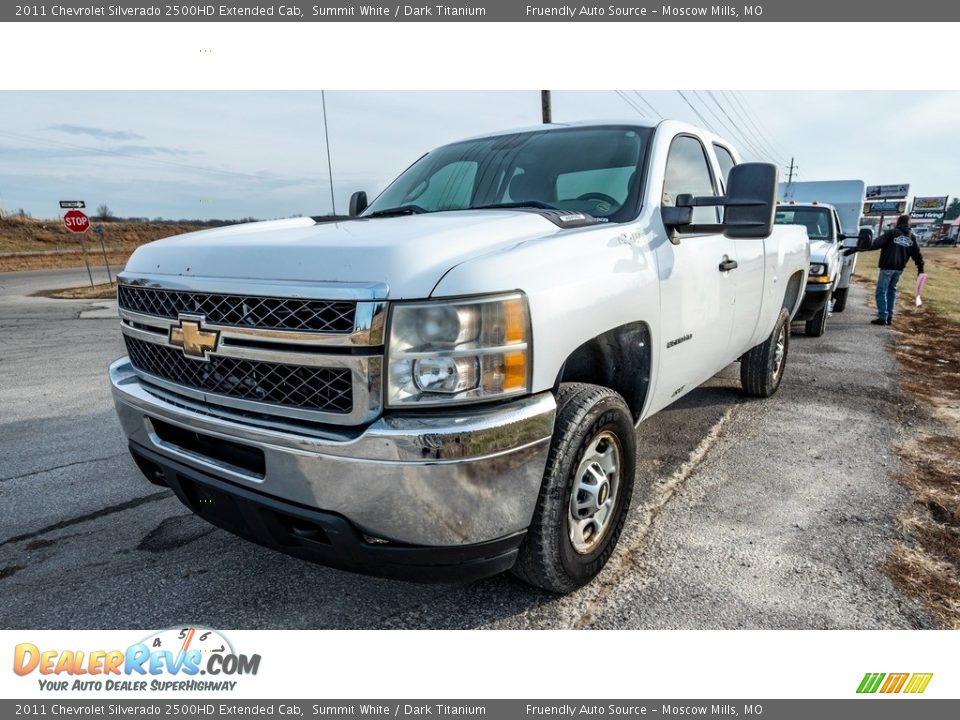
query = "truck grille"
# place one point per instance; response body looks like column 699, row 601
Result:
column 322, row 316
column 311, row 388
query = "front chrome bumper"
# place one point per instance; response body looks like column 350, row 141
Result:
column 443, row 479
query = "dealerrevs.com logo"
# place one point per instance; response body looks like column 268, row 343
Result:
column 172, row 660
column 910, row 683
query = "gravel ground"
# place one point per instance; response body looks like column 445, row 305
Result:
column 750, row 514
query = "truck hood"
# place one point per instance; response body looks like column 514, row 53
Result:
column 821, row 250
column 409, row 253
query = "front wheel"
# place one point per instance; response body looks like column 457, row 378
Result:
column 761, row 367
column 585, row 493
column 817, row 325
column 840, row 300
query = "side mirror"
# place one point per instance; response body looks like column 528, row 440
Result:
column 751, row 200
column 358, row 203
column 861, row 241
column 749, row 205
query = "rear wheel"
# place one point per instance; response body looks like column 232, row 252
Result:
column 840, row 300
column 585, row 493
column 761, row 368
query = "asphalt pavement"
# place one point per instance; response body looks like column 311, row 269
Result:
column 749, row 514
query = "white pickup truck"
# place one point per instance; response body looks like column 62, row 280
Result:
column 830, row 211
column 447, row 385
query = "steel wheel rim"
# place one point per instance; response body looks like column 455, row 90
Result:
column 779, row 353
column 596, row 490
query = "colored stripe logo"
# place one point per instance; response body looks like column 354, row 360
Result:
column 913, row 683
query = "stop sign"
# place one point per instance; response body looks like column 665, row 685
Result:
column 76, row 221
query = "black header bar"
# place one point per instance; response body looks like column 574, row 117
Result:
column 485, row 11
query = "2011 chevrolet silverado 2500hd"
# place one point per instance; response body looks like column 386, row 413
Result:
column 448, row 384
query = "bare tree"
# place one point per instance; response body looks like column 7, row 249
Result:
column 104, row 212
column 953, row 212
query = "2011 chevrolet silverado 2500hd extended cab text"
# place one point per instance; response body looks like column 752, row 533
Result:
column 447, row 385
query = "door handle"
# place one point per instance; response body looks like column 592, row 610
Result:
column 727, row 264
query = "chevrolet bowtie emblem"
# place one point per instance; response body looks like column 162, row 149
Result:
column 194, row 341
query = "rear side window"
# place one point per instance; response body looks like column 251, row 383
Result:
column 688, row 172
column 725, row 160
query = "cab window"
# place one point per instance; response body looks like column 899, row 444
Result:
column 725, row 160
column 688, row 172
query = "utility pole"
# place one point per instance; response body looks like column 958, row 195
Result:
column 546, row 107
column 326, row 134
column 793, row 168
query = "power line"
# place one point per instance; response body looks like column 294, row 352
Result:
column 628, row 101
column 728, row 130
column 648, row 104
column 756, row 122
column 697, row 113
column 759, row 152
column 706, row 106
column 748, row 128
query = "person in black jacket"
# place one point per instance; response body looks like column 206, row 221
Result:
column 896, row 246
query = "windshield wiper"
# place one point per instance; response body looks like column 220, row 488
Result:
column 522, row 204
column 399, row 210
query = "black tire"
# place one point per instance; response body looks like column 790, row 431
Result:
column 840, row 300
column 760, row 374
column 586, row 415
column 817, row 325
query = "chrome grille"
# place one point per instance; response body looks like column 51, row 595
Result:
column 274, row 313
column 311, row 388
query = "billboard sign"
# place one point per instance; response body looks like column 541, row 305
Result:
column 885, row 207
column 929, row 208
column 887, row 191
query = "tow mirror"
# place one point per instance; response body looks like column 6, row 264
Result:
column 861, row 241
column 358, row 203
column 749, row 205
column 751, row 200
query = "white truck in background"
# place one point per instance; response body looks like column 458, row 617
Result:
column 831, row 211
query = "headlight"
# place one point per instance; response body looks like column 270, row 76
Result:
column 818, row 269
column 458, row 350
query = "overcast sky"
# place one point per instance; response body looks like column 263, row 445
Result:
column 261, row 154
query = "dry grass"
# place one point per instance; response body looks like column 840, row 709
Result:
column 926, row 560
column 27, row 244
column 942, row 292
column 103, row 291
column 14, row 263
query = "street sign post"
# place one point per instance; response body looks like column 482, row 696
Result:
column 76, row 221
column 98, row 229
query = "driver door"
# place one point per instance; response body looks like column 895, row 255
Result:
column 697, row 293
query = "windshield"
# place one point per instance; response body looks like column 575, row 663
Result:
column 815, row 220
column 593, row 170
